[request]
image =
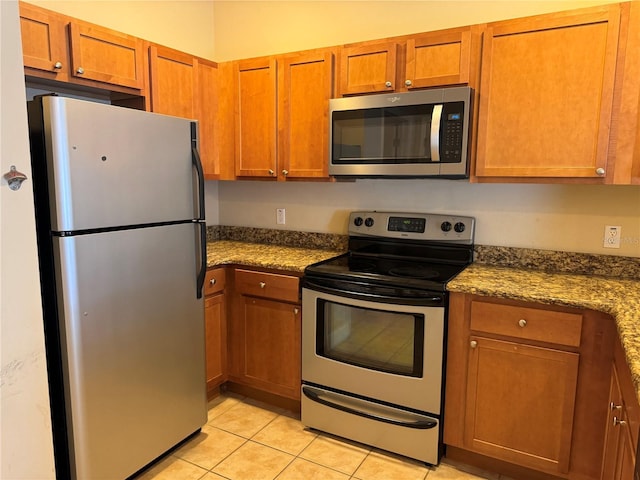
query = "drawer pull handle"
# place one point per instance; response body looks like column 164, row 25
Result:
column 613, row 406
column 473, row 344
column 617, row 422
column 262, row 284
column 522, row 322
column 212, row 281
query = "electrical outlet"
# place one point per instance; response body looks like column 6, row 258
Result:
column 612, row 235
column 280, row 216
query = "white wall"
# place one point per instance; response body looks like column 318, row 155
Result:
column 26, row 448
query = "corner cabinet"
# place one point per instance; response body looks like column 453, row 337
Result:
column 446, row 57
column 280, row 116
column 547, row 90
column 265, row 333
column 215, row 330
column 522, row 377
column 60, row 48
column 622, row 423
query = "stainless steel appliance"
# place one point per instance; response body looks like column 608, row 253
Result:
column 121, row 240
column 373, row 329
column 422, row 133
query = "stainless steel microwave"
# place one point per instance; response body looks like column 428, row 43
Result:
column 423, row 133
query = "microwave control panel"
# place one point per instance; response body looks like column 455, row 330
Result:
column 451, row 133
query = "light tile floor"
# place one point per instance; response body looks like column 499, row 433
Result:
column 247, row 440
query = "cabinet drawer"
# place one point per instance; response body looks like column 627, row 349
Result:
column 543, row 325
column 269, row 285
column 214, row 281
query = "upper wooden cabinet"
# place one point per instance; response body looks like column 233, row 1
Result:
column 546, row 95
column 186, row 86
column 280, row 111
column 432, row 59
column 60, row 48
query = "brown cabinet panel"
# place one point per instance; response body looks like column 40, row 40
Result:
column 173, row 82
column 206, row 110
column 255, row 118
column 368, row 69
column 543, row 325
column 520, row 403
column 106, row 56
column 215, row 340
column 546, row 95
column 44, row 43
column 268, row 285
column 272, row 346
column 305, row 85
column 438, row 59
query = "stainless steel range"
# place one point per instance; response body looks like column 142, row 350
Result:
column 373, row 331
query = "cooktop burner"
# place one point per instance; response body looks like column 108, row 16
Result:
column 419, row 251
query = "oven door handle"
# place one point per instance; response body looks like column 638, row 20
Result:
column 315, row 395
column 435, row 300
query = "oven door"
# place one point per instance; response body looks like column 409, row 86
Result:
column 387, row 352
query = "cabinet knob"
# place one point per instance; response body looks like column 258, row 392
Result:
column 262, row 284
column 408, row 83
column 80, row 71
column 57, row 65
column 613, row 406
column 271, row 172
column 212, row 281
column 473, row 344
column 522, row 322
column 600, row 171
column 285, row 172
column 296, row 310
column 388, row 84
column 617, row 421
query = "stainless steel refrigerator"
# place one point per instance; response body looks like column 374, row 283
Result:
column 121, row 237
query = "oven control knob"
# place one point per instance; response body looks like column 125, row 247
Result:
column 445, row 226
column 357, row 221
column 459, row 227
column 368, row 222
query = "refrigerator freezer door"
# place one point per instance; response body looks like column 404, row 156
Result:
column 111, row 166
column 134, row 334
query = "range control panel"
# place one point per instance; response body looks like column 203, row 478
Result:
column 418, row 226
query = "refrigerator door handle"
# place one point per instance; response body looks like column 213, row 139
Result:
column 195, row 158
column 202, row 226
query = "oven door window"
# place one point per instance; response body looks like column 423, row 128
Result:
column 374, row 339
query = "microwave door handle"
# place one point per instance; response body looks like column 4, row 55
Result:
column 435, row 133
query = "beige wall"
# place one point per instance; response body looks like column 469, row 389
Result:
column 253, row 28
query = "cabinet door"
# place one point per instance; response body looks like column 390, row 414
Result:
column 305, row 85
column 546, row 95
column 207, row 106
column 255, row 118
column 44, row 42
column 272, row 346
column 215, row 341
column 105, row 55
column 368, row 69
column 173, row 82
column 438, row 59
column 520, row 403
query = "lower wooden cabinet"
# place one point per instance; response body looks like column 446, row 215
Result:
column 265, row 333
column 215, row 329
column 622, row 423
column 527, row 387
